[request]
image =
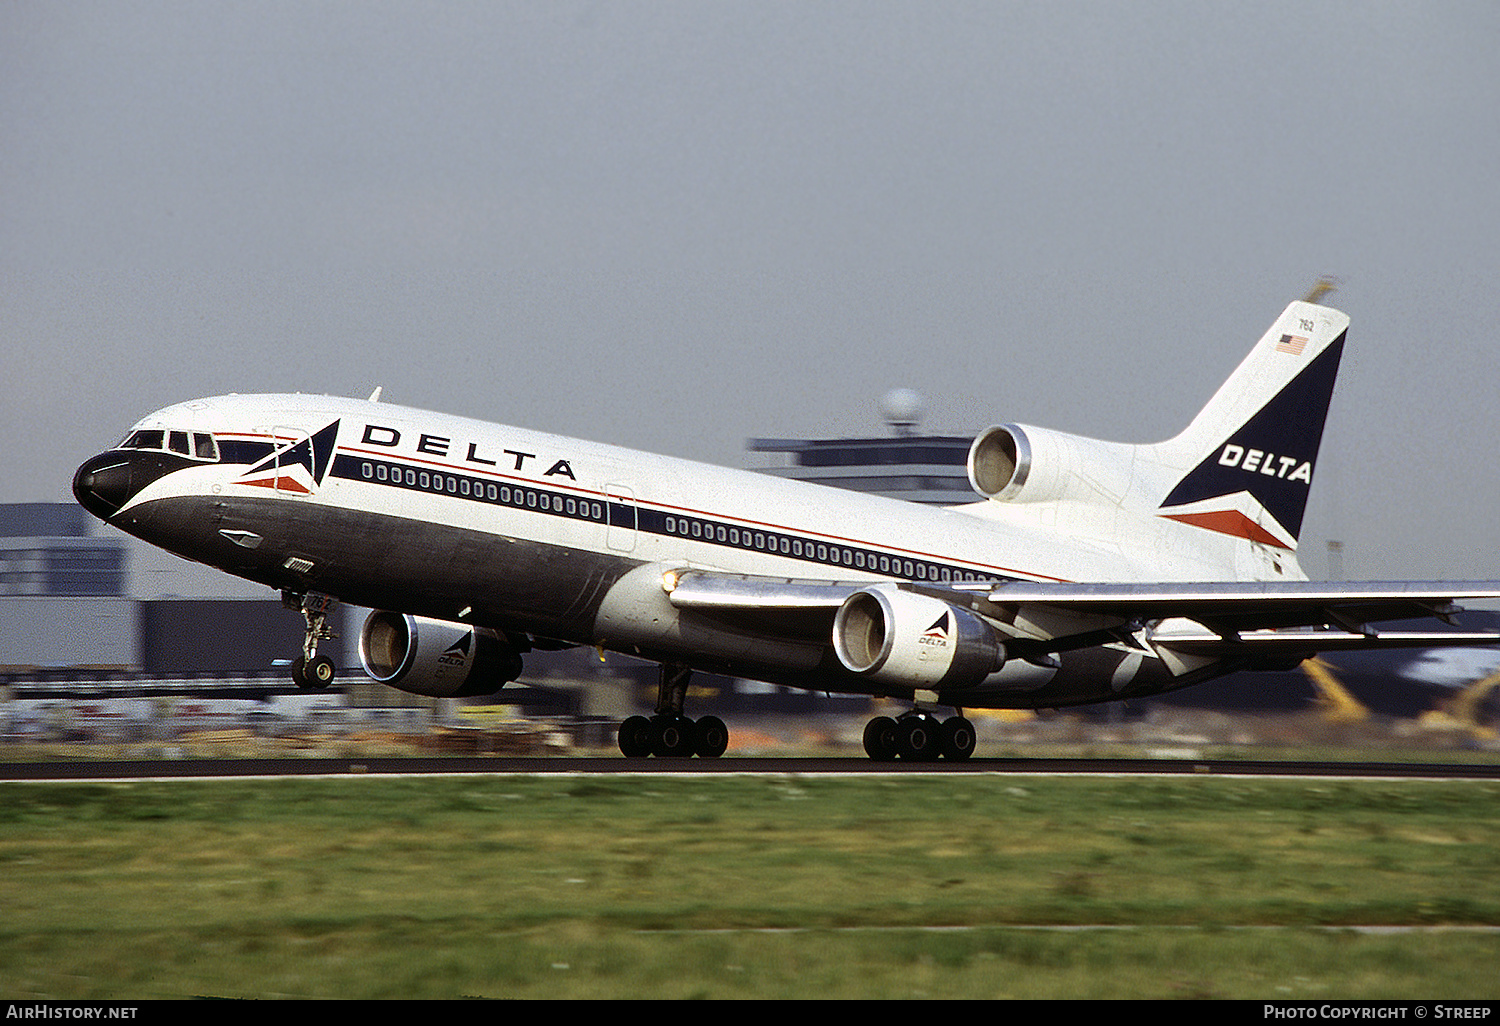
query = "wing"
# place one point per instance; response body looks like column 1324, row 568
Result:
column 1035, row 620
column 1226, row 619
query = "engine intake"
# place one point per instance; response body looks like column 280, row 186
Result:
column 1000, row 462
column 434, row 657
column 900, row 638
column 1017, row 463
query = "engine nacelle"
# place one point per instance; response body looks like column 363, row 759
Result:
column 434, row 657
column 1014, row 463
column 900, row 638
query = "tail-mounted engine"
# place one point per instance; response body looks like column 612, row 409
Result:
column 435, row 657
column 1013, row 463
column 909, row 640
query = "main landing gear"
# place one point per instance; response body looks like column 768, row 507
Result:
column 915, row 736
column 311, row 671
column 919, row 736
column 669, row 734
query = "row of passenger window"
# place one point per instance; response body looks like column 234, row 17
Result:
column 465, row 487
column 713, row 532
column 821, row 552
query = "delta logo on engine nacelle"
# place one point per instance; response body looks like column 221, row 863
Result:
column 936, row 636
column 457, row 654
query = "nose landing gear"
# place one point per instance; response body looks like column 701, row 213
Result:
column 311, row 671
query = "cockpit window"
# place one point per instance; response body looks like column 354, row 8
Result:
column 197, row 444
column 144, row 440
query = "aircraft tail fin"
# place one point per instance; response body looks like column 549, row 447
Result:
column 1246, row 461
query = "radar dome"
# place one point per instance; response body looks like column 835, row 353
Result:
column 902, row 409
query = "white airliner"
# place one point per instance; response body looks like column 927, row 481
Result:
column 1091, row 571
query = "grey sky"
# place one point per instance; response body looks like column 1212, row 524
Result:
column 677, row 225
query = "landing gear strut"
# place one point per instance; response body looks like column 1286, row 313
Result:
column 669, row 734
column 310, row 670
column 918, row 736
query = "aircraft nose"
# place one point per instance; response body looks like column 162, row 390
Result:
column 104, row 483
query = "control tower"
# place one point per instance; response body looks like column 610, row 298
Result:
column 906, row 465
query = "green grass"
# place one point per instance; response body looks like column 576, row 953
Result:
column 748, row 887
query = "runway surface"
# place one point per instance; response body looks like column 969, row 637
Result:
column 157, row 768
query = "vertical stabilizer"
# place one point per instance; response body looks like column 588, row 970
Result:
column 1248, row 459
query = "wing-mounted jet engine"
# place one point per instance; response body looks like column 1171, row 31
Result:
column 914, row 641
column 435, row 657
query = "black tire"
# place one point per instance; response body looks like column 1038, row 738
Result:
column 313, row 676
column 710, row 737
column 916, row 740
column 880, row 739
column 671, row 737
column 635, row 737
column 956, row 739
column 320, row 673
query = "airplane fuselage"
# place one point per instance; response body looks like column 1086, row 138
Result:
column 533, row 534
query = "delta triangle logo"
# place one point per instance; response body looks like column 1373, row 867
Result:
column 937, row 634
column 299, row 467
column 457, row 654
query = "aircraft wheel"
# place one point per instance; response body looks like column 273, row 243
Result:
column 916, row 741
column 321, row 672
column 956, row 738
column 671, row 737
column 880, row 739
column 635, row 737
column 315, row 675
column 710, row 737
